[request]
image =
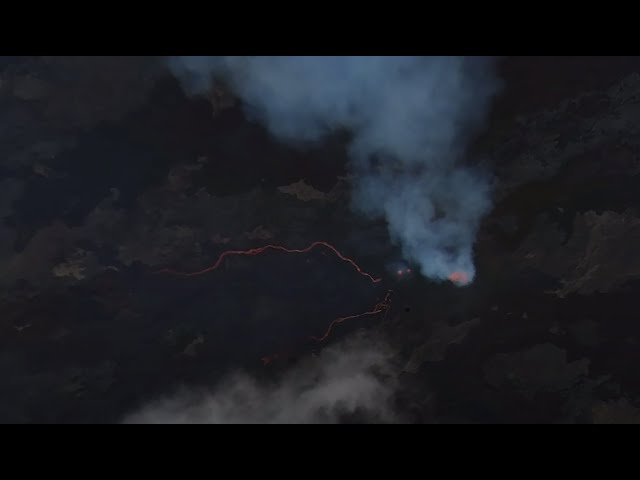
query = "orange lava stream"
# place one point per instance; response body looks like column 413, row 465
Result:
column 259, row 250
column 380, row 307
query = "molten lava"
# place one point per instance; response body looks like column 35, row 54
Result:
column 260, row 250
column 382, row 306
column 459, row 278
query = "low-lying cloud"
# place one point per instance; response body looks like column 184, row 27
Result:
column 352, row 378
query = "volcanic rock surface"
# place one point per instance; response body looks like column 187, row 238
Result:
column 110, row 173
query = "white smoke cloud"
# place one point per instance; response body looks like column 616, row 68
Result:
column 410, row 117
column 353, row 377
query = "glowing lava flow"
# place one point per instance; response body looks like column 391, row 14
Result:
column 380, row 307
column 259, row 250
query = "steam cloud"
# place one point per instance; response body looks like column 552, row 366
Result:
column 344, row 379
column 410, row 120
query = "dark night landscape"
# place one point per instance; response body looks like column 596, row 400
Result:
column 319, row 240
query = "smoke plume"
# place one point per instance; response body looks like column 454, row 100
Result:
column 410, row 120
column 352, row 378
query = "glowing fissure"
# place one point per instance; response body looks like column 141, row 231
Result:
column 260, row 250
column 458, row 277
column 380, row 307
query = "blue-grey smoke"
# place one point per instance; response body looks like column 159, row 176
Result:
column 410, row 119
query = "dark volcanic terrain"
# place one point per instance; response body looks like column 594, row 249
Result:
column 109, row 173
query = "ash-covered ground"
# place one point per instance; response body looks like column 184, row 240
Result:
column 109, row 172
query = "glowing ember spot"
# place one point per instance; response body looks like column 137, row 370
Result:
column 460, row 278
column 399, row 272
